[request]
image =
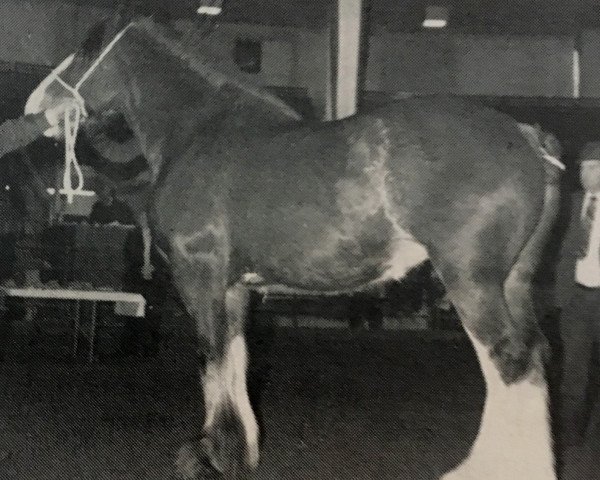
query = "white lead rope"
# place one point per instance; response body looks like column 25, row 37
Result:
column 73, row 118
column 72, row 123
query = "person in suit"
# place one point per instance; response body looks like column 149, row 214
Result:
column 578, row 295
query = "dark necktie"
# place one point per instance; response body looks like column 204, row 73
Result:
column 587, row 221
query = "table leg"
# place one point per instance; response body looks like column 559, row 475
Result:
column 93, row 328
column 76, row 327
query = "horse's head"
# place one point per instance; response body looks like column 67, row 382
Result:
column 69, row 78
column 163, row 87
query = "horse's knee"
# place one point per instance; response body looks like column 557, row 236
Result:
column 518, row 348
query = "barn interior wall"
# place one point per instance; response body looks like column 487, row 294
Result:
column 431, row 62
column 43, row 33
column 502, row 65
column 293, row 57
column 590, row 63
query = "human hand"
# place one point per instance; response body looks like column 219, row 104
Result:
column 56, row 114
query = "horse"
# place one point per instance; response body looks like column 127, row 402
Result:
column 246, row 196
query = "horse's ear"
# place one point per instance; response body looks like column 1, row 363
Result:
column 95, row 38
column 121, row 18
column 107, row 29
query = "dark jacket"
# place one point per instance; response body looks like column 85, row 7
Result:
column 19, row 132
column 116, row 212
column 573, row 246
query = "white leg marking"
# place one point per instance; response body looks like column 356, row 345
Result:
column 227, row 383
column 514, row 440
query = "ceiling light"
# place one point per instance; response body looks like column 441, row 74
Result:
column 209, row 10
column 435, row 17
column 208, row 7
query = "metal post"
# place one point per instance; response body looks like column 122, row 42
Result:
column 345, row 57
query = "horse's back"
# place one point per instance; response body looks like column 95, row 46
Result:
column 454, row 130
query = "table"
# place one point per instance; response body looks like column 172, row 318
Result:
column 123, row 301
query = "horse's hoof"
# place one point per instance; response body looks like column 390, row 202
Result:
column 200, row 460
column 187, row 464
column 193, row 464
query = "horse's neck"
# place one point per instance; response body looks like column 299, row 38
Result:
column 152, row 148
column 164, row 117
column 170, row 132
column 153, row 118
column 165, row 136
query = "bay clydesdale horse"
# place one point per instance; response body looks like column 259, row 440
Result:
column 247, row 196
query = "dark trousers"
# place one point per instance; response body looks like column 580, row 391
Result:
column 580, row 335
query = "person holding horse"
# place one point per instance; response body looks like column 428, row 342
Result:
column 578, row 292
column 18, row 133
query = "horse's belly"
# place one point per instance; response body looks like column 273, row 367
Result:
column 337, row 262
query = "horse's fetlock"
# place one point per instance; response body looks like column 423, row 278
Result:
column 224, row 444
column 517, row 359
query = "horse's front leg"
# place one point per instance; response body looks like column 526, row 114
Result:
column 229, row 442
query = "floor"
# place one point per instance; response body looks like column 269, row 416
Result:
column 334, row 404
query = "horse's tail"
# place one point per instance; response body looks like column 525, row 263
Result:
column 548, row 149
column 530, row 256
column 518, row 286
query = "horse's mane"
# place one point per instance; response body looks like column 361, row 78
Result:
column 204, row 68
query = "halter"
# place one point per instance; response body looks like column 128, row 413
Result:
column 73, row 119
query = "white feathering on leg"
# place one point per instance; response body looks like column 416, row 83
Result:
column 227, row 383
column 514, row 439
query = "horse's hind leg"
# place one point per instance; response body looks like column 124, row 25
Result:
column 514, row 439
